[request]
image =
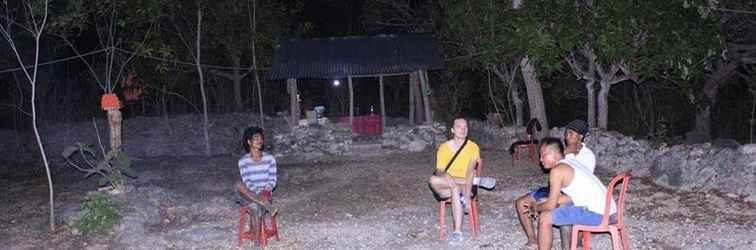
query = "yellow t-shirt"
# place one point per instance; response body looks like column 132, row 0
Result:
column 458, row 169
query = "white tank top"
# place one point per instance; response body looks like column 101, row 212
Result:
column 585, row 189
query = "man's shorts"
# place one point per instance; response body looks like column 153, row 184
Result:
column 540, row 193
column 571, row 215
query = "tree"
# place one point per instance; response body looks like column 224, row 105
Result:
column 494, row 35
column 610, row 42
column 107, row 18
column 736, row 21
column 35, row 21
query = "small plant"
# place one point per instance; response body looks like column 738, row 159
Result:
column 100, row 214
column 112, row 168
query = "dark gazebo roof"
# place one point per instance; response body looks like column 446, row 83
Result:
column 354, row 56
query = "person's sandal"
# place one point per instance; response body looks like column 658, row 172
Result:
column 529, row 247
column 487, row 182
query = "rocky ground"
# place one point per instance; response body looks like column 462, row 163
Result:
column 376, row 199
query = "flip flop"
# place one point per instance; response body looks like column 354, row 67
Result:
column 529, row 247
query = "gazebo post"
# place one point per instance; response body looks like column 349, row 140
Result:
column 411, row 102
column 383, row 105
column 425, row 92
column 293, row 101
column 351, row 104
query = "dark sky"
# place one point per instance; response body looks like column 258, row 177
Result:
column 334, row 18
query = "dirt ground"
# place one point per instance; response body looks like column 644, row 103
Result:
column 376, row 199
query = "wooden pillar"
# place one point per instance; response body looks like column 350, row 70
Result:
column 411, row 101
column 383, row 105
column 351, row 104
column 293, row 102
column 417, row 96
column 425, row 92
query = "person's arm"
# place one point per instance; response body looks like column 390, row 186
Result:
column 272, row 174
column 555, row 185
column 244, row 179
column 439, row 162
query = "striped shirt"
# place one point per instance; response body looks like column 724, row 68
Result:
column 256, row 175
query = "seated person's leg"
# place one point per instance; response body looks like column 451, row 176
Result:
column 440, row 186
column 522, row 205
column 571, row 215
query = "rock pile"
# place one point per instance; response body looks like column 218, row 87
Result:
column 310, row 141
column 703, row 166
column 494, row 136
column 685, row 166
column 414, row 138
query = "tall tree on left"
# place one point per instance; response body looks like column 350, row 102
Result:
column 32, row 19
column 106, row 18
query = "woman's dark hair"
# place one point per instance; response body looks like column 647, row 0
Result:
column 248, row 134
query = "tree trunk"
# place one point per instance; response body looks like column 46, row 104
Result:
column 702, row 126
column 202, row 81
column 293, row 102
column 114, row 121
column 383, row 104
column 32, row 78
column 603, row 104
column 425, row 87
column 351, row 104
column 535, row 95
column 714, row 81
column 514, row 93
column 236, row 79
column 411, row 101
column 591, row 92
column 417, row 97
column 254, row 63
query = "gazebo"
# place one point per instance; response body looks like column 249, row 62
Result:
column 360, row 56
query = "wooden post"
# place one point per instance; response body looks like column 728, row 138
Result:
column 293, row 102
column 417, row 96
column 351, row 104
column 383, row 105
column 425, row 92
column 115, row 121
column 411, row 101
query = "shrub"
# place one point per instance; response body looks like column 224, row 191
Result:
column 111, row 169
column 100, row 214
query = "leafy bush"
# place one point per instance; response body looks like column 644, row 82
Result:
column 100, row 214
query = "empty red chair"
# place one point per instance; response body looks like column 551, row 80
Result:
column 529, row 146
column 260, row 227
column 473, row 217
column 617, row 229
column 528, row 143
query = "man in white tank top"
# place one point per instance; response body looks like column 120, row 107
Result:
column 575, row 180
column 574, row 134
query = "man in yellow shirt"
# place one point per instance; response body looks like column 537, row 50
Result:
column 459, row 177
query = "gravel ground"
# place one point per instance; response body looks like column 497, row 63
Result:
column 379, row 200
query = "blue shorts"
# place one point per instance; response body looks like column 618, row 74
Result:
column 540, row 193
column 571, row 215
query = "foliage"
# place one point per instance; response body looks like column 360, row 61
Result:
column 111, row 168
column 100, row 215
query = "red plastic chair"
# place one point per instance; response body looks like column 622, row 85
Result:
column 530, row 147
column 616, row 230
column 263, row 226
column 473, row 217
